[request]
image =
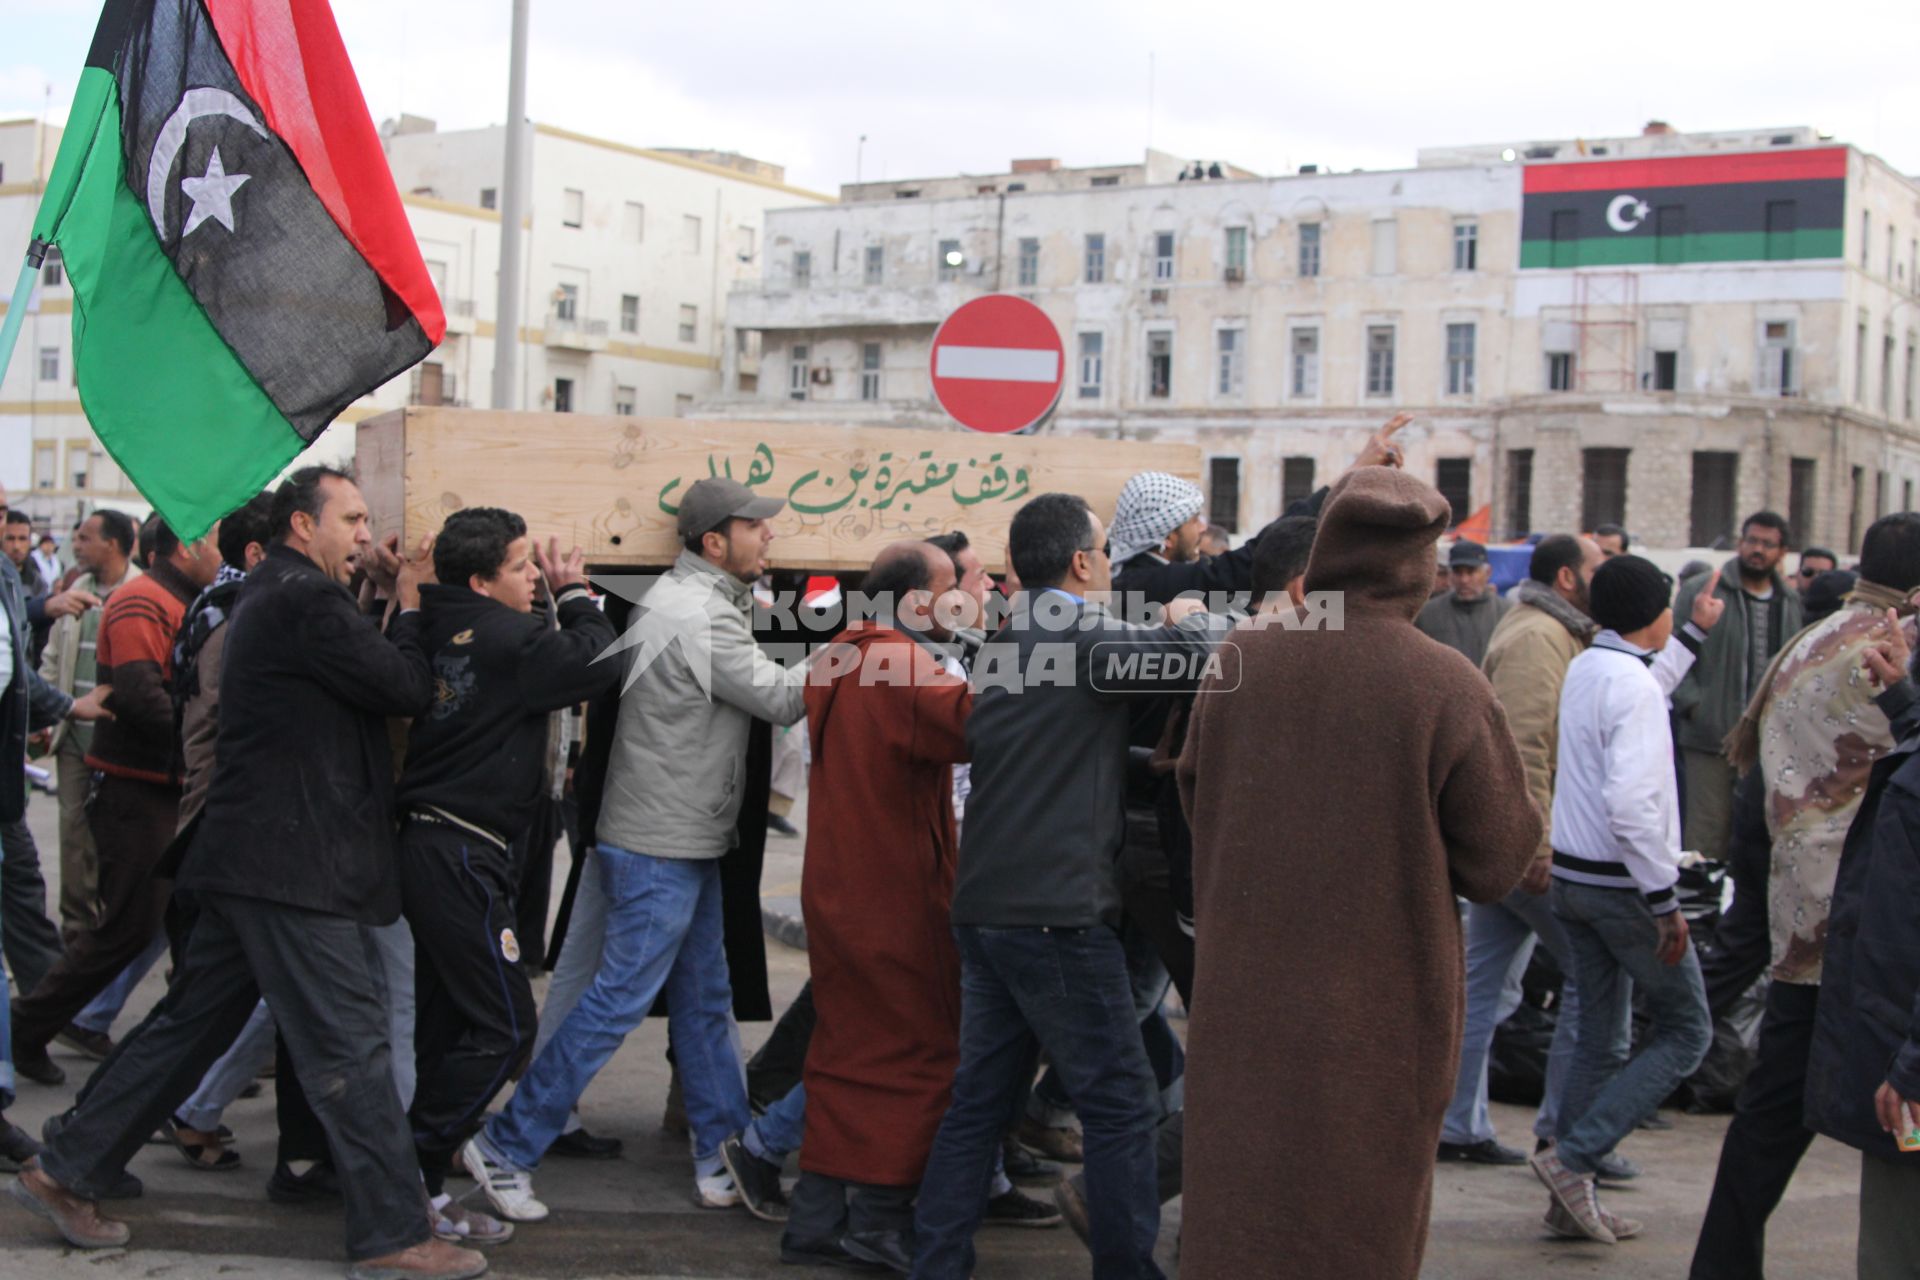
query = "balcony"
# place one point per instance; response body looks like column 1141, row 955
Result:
column 570, row 333
column 460, row 317
column 848, row 302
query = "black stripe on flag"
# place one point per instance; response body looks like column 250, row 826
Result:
column 306, row 314
column 1733, row 206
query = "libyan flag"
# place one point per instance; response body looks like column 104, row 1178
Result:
column 241, row 265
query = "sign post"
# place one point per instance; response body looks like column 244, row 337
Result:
column 998, row 364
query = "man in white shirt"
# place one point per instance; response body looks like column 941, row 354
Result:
column 1616, row 859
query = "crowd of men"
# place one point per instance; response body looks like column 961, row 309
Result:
column 1029, row 819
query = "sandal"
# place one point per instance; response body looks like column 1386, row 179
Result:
column 207, row 1152
column 457, row 1224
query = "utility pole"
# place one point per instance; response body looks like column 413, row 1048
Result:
column 513, row 212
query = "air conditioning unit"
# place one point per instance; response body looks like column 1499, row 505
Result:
column 1236, row 275
column 1158, row 296
column 820, row 377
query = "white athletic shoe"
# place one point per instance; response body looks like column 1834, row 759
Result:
column 509, row 1191
column 716, row 1191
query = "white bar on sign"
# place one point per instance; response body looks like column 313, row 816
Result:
column 997, row 364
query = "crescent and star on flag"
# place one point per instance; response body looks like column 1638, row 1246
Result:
column 1627, row 212
column 212, row 192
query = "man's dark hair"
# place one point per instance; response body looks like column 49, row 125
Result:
column 1281, row 555
column 1560, row 551
column 248, row 524
column 1890, row 553
column 47, row 537
column 1614, row 531
column 301, row 492
column 117, row 527
column 894, row 573
column 158, row 541
column 1769, row 520
column 20, row 517
column 1218, row 532
column 474, row 541
column 1830, row 558
column 697, row 542
column 1044, row 535
column 953, row 544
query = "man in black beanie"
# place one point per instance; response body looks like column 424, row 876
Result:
column 1616, row 858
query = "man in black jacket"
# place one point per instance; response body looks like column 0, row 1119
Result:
column 1036, row 901
column 476, row 763
column 292, row 862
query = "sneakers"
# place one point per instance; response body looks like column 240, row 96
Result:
column 1022, row 1165
column 1561, row 1223
column 1488, row 1152
column 430, row 1260
column 16, row 1147
column 76, row 1218
column 1014, row 1208
column 1054, row 1144
column 716, row 1191
column 509, row 1191
column 457, row 1224
column 1614, row 1167
column 319, row 1182
column 757, row 1181
column 581, row 1145
column 88, row 1044
column 1574, row 1193
column 30, row 1063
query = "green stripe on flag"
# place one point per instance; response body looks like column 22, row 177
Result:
column 163, row 391
column 1717, row 246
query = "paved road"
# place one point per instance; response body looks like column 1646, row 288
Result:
column 635, row 1217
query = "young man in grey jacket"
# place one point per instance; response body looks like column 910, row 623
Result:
column 695, row 682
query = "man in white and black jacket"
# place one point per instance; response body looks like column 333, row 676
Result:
column 476, row 763
column 1616, row 858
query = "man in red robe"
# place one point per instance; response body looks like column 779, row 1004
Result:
column 887, row 723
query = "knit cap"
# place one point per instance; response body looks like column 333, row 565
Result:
column 1152, row 505
column 1628, row 593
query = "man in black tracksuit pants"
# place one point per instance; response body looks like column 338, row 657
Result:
column 476, row 765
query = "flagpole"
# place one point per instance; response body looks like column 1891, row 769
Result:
column 513, row 211
column 17, row 306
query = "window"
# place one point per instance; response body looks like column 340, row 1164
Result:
column 748, row 239
column 797, row 372
column 802, row 268
column 1466, row 246
column 1782, row 217
column 1380, row 360
column 629, row 313
column 1304, row 375
column 682, row 405
column 1889, row 253
column 1666, row 370
column 1801, row 475
column 1860, row 364
column 1223, row 493
column 53, row 274
column 1866, row 234
column 1027, row 266
column 633, row 223
column 624, row 399
column 1236, row 253
column 690, row 233
column 46, row 464
column 1713, row 478
column 1232, row 360
column 1879, row 494
column 1777, row 368
column 573, row 207
column 49, row 364
column 1453, row 477
column 1296, row 481
column 1105, row 180
column 566, row 303
column 1906, row 495
column 869, row 371
column 1519, row 492
column 1886, row 376
column 1160, row 364
column 1908, row 398
column 1564, row 233
column 689, row 322
column 1669, row 234
column 1163, row 255
column 1559, row 370
column 1856, row 498
column 1309, row 248
column 1603, row 487
column 950, row 259
column 1096, row 259
column 1092, row 362
column 563, row 395
column 1460, row 340
column 1386, row 247
column 874, row 268
column 78, row 458
column 489, row 197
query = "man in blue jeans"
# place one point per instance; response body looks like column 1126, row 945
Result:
column 673, row 795
column 1036, row 900
column 1616, row 859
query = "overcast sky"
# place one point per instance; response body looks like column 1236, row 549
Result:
column 943, row 87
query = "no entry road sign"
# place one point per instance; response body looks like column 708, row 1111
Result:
column 998, row 364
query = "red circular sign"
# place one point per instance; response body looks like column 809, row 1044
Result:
column 998, row 364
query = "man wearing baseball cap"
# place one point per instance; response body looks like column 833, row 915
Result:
column 1464, row 618
column 695, row 681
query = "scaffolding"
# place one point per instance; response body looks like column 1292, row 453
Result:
column 1606, row 320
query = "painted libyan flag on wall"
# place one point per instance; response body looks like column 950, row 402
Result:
column 1750, row 206
column 241, row 264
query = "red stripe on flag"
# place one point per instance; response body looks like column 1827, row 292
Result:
column 289, row 55
column 1686, row 171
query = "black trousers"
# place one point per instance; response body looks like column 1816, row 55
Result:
column 1742, row 944
column 132, row 822
column 778, row 1064
column 822, row 1209
column 475, row 1017
column 32, row 941
column 322, row 976
column 1764, row 1143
